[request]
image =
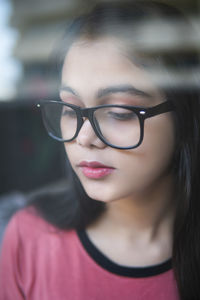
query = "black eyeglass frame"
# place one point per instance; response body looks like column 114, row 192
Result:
column 142, row 112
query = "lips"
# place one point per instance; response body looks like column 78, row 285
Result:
column 93, row 164
column 95, row 169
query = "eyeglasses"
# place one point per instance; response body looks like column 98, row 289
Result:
column 118, row 126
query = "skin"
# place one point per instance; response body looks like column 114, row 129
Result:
column 139, row 194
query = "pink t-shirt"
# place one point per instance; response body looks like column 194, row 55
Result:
column 41, row 262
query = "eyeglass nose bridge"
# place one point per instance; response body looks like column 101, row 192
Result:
column 86, row 113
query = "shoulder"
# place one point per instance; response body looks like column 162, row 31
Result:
column 28, row 221
column 29, row 239
column 31, row 247
column 27, row 229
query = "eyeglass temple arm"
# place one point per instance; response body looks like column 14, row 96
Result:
column 159, row 109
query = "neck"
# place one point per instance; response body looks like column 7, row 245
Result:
column 150, row 213
column 134, row 224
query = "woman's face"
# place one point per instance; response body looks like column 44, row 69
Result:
column 91, row 67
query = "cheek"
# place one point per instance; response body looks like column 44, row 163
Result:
column 155, row 154
column 159, row 139
column 70, row 151
column 152, row 159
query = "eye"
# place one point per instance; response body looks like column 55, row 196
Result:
column 122, row 116
column 69, row 112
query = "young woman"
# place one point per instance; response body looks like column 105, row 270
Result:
column 128, row 226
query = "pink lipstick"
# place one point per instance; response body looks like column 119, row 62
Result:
column 95, row 169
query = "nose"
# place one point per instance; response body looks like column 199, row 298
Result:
column 87, row 137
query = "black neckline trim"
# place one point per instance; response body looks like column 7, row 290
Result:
column 106, row 263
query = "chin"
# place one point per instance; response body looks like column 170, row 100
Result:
column 101, row 194
column 97, row 197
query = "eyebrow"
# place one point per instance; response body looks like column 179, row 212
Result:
column 68, row 89
column 129, row 89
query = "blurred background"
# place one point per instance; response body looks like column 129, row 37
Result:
column 29, row 30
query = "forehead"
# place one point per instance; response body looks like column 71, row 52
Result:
column 102, row 55
column 91, row 65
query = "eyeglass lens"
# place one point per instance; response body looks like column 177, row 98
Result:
column 119, row 126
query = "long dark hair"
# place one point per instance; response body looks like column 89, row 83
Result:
column 71, row 207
